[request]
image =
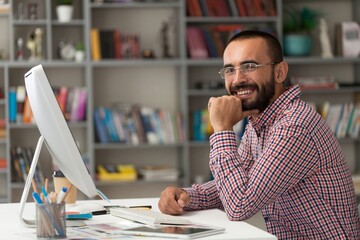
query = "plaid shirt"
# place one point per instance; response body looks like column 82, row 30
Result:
column 288, row 165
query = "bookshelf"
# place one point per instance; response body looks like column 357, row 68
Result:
column 177, row 84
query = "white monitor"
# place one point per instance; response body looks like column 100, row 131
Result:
column 57, row 136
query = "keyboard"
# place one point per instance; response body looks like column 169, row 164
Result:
column 148, row 216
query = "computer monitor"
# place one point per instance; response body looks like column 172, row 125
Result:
column 57, row 136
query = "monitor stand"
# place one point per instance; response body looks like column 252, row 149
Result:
column 27, row 222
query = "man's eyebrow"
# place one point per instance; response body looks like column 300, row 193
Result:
column 242, row 62
column 228, row 65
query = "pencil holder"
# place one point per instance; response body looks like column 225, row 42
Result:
column 50, row 220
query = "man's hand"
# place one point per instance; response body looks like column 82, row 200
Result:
column 225, row 112
column 173, row 200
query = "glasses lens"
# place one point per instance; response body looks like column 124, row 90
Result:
column 248, row 67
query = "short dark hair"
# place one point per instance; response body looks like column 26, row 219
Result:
column 274, row 46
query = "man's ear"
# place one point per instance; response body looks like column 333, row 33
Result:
column 281, row 71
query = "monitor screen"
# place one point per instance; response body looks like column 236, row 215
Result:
column 55, row 132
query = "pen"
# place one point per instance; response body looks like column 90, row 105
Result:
column 62, row 194
column 147, row 207
column 45, row 194
column 37, row 198
column 33, row 183
column 141, row 206
column 46, row 184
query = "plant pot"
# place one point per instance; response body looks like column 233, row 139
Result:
column 297, row 44
column 79, row 56
column 64, row 13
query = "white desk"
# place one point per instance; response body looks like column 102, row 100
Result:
column 12, row 228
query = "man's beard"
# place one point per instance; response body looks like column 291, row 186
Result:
column 265, row 93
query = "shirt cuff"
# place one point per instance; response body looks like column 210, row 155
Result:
column 193, row 195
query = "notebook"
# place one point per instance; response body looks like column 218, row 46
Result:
column 148, row 216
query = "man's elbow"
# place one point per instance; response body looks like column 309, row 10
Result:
column 236, row 217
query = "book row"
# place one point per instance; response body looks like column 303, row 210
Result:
column 137, row 125
column 202, row 129
column 72, row 101
column 210, row 42
column 343, row 119
column 226, row 8
column 21, row 158
column 111, row 44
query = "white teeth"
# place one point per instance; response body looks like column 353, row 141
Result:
column 243, row 92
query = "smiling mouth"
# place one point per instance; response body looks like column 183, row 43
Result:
column 243, row 92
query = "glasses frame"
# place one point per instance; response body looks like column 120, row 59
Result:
column 242, row 69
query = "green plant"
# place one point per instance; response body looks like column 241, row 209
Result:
column 64, row 2
column 302, row 20
column 79, row 46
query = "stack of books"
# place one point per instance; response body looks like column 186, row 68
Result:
column 159, row 173
column 119, row 172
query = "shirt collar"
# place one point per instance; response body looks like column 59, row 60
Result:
column 268, row 117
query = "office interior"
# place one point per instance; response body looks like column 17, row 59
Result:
column 158, row 74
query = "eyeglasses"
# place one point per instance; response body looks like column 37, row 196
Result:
column 227, row 72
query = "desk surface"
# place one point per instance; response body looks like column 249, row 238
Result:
column 12, row 228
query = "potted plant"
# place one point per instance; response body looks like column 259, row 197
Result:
column 79, row 52
column 64, row 10
column 298, row 25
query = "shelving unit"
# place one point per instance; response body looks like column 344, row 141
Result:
column 165, row 83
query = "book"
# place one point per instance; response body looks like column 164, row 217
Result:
column 74, row 104
column 135, row 114
column 107, row 44
column 196, row 44
column 3, row 163
column 158, row 172
column 16, row 172
column 120, row 126
column 193, row 8
column 222, row 9
column 62, row 98
column 95, row 44
column 250, row 9
column 269, row 7
column 204, row 8
column 69, row 103
column 233, row 8
column 259, row 8
column 81, row 106
column 12, row 104
column 109, row 124
column 117, row 44
column 102, row 135
column 119, row 172
column 149, row 125
column 241, row 8
column 315, row 82
column 27, row 114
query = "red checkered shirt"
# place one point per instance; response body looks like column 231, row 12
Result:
column 290, row 166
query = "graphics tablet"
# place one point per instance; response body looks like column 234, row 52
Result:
column 174, row 231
